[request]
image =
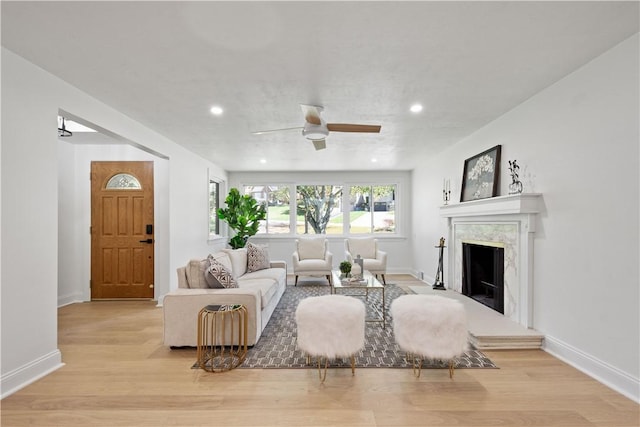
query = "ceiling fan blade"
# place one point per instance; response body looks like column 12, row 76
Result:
column 347, row 127
column 311, row 113
column 262, row 132
column 319, row 144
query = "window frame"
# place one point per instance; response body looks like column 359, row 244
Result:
column 270, row 190
column 219, row 184
column 371, row 211
column 345, row 202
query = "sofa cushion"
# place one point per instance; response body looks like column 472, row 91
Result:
column 238, row 259
column 365, row 247
column 219, row 277
column 278, row 274
column 257, row 257
column 311, row 248
column 195, row 271
column 267, row 288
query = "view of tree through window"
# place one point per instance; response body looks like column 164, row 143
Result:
column 320, row 209
column 278, row 211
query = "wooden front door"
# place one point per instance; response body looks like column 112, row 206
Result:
column 121, row 230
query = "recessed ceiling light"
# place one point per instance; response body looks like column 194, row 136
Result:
column 416, row 108
column 374, row 160
column 263, row 161
column 215, row 110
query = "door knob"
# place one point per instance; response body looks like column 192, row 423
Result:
column 146, row 241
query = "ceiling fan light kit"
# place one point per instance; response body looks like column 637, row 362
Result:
column 315, row 132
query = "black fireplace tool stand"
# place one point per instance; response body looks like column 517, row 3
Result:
column 439, row 284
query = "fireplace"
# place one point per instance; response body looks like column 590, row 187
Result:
column 483, row 274
column 507, row 222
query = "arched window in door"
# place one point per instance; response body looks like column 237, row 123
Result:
column 123, row 181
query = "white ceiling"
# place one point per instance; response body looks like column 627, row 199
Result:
column 165, row 64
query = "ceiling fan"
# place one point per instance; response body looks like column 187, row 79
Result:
column 316, row 129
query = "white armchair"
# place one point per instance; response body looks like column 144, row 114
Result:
column 374, row 259
column 312, row 258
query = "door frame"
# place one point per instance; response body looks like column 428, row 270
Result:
column 161, row 166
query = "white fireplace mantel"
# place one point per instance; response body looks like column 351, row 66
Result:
column 517, row 213
column 528, row 203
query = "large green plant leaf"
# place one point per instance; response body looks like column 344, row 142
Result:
column 243, row 215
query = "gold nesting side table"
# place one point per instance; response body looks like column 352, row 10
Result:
column 222, row 337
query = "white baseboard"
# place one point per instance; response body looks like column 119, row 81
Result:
column 429, row 280
column 608, row 375
column 29, row 373
column 69, row 299
column 426, row 279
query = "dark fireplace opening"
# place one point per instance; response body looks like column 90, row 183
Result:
column 483, row 274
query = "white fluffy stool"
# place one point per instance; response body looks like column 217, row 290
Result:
column 431, row 327
column 330, row 326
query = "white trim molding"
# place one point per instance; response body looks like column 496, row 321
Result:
column 606, row 374
column 31, row 372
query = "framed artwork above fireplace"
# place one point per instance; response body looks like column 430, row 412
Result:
column 480, row 175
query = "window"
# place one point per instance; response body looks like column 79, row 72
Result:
column 327, row 209
column 214, row 204
column 276, row 198
column 123, row 181
column 319, row 209
column 372, row 209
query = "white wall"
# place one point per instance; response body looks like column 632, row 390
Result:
column 578, row 144
column 398, row 247
column 31, row 99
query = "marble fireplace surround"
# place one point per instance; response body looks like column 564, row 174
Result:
column 506, row 220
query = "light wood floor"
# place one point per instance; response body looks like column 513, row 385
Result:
column 118, row 373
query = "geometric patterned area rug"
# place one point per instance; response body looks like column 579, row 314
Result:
column 277, row 345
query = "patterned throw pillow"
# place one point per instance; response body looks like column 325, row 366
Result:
column 257, row 257
column 217, row 276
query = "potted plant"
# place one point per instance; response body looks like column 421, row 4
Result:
column 243, row 215
column 345, row 268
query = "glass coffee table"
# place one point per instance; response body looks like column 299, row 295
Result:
column 369, row 282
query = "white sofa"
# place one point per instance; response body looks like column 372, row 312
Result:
column 259, row 291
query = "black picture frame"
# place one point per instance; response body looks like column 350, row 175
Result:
column 481, row 175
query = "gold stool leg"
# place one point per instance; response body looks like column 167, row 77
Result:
column 353, row 364
column 416, row 364
column 419, row 368
column 326, row 364
column 451, row 368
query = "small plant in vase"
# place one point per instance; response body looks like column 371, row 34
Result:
column 345, row 268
